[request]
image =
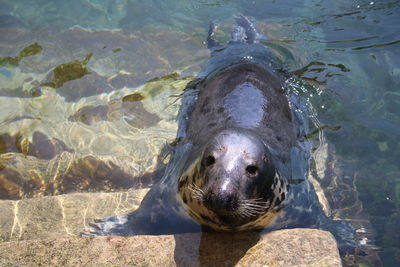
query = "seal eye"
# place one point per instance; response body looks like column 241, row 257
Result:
column 251, row 169
column 210, row 160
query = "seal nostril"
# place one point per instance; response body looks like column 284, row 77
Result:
column 251, row 169
column 210, row 160
column 221, row 203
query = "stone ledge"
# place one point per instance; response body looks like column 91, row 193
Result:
column 294, row 247
column 57, row 216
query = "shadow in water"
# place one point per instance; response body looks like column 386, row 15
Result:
column 213, row 248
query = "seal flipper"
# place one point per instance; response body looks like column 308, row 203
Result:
column 238, row 35
column 113, row 225
column 133, row 224
column 158, row 214
column 244, row 32
column 250, row 31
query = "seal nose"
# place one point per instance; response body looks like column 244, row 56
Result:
column 222, row 202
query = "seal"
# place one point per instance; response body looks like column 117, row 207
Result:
column 238, row 162
column 241, row 116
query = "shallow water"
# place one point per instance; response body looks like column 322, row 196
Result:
column 72, row 91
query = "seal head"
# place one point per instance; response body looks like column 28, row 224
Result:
column 234, row 183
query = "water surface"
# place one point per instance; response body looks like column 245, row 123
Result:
column 72, row 76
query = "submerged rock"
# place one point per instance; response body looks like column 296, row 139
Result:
column 58, row 216
column 294, row 247
column 28, row 51
column 23, row 176
column 69, row 71
column 43, row 231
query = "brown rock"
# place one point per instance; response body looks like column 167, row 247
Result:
column 43, row 233
column 295, row 247
column 58, row 216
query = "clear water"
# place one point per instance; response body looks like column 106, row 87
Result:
column 350, row 50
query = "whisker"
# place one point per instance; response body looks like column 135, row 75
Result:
column 197, row 192
column 255, row 201
column 255, row 205
column 252, row 200
column 252, row 207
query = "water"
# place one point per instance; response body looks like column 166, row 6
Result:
column 62, row 88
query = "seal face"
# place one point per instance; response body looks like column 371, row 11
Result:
column 234, row 185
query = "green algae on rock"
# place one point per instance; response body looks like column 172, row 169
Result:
column 133, row 97
column 72, row 70
column 173, row 76
column 156, row 85
column 10, row 62
column 28, row 51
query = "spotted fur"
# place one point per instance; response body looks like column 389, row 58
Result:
column 232, row 166
column 260, row 212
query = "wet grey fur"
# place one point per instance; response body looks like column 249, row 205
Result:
column 205, row 112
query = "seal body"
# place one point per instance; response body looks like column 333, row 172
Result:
column 235, row 181
column 236, row 153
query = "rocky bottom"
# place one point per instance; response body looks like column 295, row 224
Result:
column 294, row 247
